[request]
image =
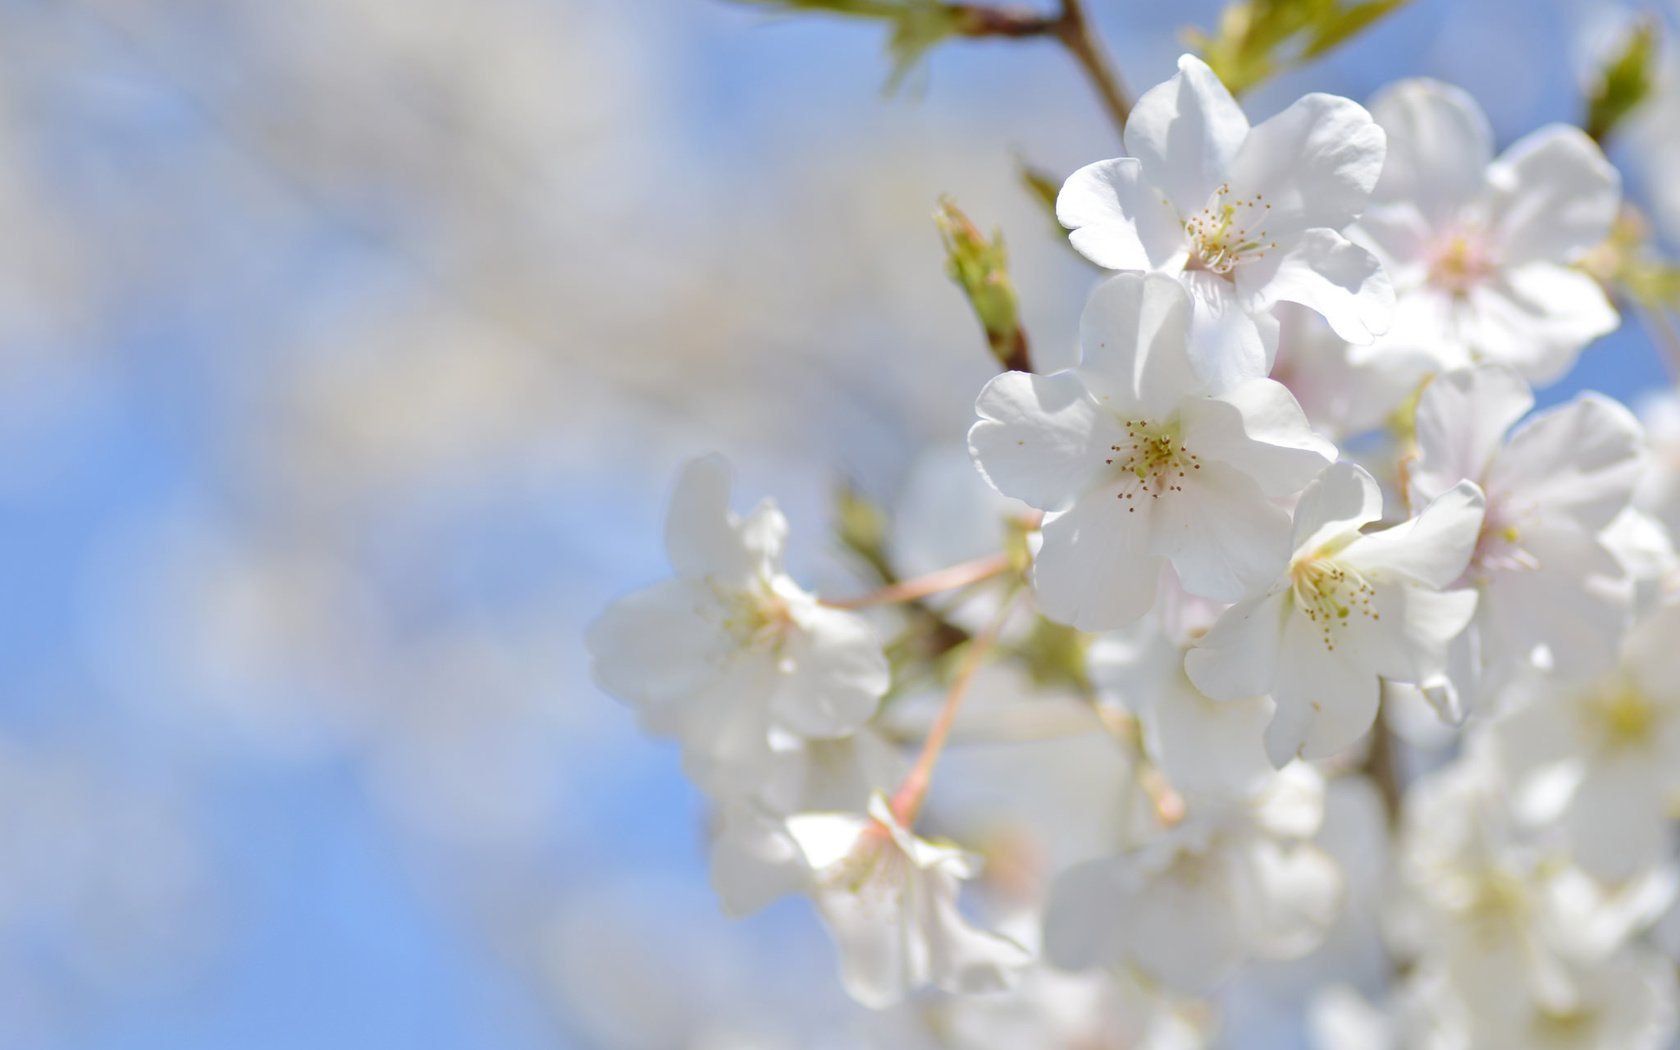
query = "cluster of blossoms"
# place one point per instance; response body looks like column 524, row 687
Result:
column 1247, row 620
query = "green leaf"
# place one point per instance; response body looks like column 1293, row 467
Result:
column 1348, row 24
column 1258, row 39
column 1624, row 82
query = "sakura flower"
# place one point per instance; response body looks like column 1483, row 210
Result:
column 731, row 647
column 1613, row 747
column 1244, row 217
column 1202, row 746
column 889, row 900
column 1500, row 914
column 1352, row 608
column 1138, row 462
column 1229, row 883
column 1342, row 391
column 1553, row 593
column 1479, row 249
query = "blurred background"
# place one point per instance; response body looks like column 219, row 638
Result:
column 348, row 349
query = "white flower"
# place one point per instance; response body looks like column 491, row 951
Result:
column 1227, row 884
column 732, row 648
column 1613, row 747
column 1342, row 390
column 1351, row 608
column 1500, row 914
column 890, row 901
column 1245, row 218
column 1478, row 248
column 1202, row 746
column 1138, row 461
column 1553, row 594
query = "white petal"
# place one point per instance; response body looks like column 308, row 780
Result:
column 1617, row 822
column 1416, row 625
column 1326, row 699
column 1228, row 343
column 1338, row 501
column 1581, row 459
column 754, row 860
column 1328, row 273
column 1316, row 164
column 1185, row 931
column 1536, row 318
column 1237, row 657
column 1205, row 745
column 703, row 538
column 1185, row 132
column 1258, row 428
column 1094, row 571
column 835, row 674
column 1288, row 897
column 656, row 647
column 1225, row 539
column 1040, row 439
column 826, row 839
column 1086, row 915
column 1133, row 338
column 1553, row 197
column 1566, row 605
column 1118, row 220
column 1432, row 548
column 1461, row 419
column 1439, row 146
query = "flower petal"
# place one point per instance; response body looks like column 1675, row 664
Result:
column 1237, row 657
column 1535, row 318
column 1432, row 548
column 1118, row 220
column 1326, row 699
column 1258, row 428
column 1461, row 419
column 656, row 647
column 1225, row 539
column 1315, row 164
column 1185, row 133
column 1228, row 343
column 1439, row 147
column 1328, row 273
column 1040, row 439
column 1094, row 571
column 1581, row 460
column 1133, row 339
column 1553, row 196
column 1338, row 501
column 703, row 538
column 834, row 674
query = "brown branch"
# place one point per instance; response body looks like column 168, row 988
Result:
column 1070, row 27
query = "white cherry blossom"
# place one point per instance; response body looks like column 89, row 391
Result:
column 1607, row 753
column 1553, row 594
column 732, row 648
column 1351, row 608
column 1231, row 882
column 889, row 899
column 1244, row 217
column 1479, row 248
column 1138, row 462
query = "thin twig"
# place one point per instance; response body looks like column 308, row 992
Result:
column 907, row 800
column 1071, row 28
column 948, row 579
column 1075, row 32
column 1667, row 338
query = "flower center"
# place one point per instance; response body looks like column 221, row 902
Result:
column 1227, row 231
column 1623, row 715
column 1498, row 546
column 1330, row 593
column 757, row 617
column 1151, row 460
column 1459, row 263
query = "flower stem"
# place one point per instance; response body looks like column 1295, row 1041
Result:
column 1073, row 29
column 960, row 575
column 907, row 800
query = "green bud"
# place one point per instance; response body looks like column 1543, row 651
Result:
column 1624, row 82
column 981, row 269
column 1258, row 39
